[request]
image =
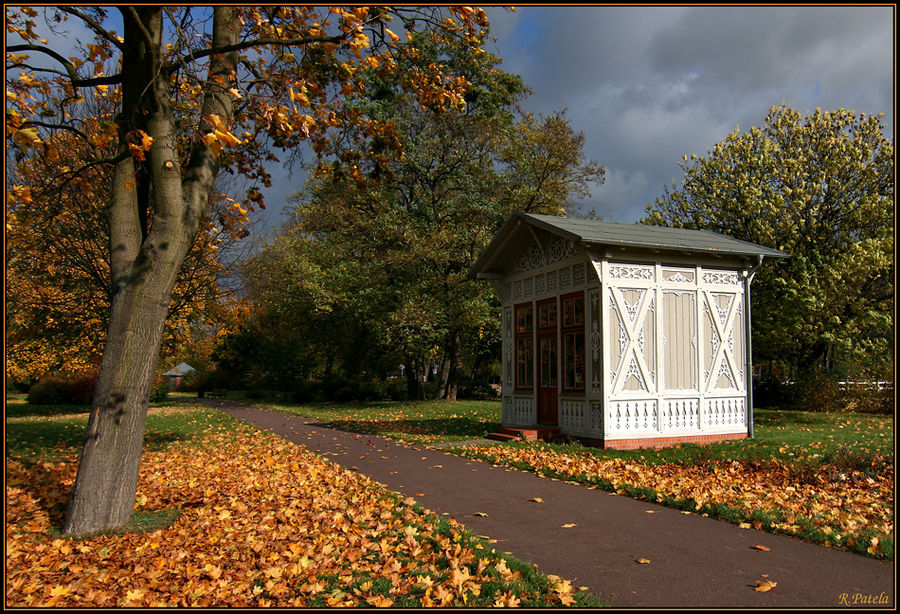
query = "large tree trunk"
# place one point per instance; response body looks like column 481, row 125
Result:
column 103, row 495
column 145, row 258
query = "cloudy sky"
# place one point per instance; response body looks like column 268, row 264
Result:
column 648, row 84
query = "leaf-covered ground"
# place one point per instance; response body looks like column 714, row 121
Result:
column 841, row 502
column 260, row 522
column 823, row 477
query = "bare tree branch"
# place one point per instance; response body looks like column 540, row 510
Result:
column 93, row 25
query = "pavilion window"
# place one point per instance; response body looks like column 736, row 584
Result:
column 573, row 342
column 525, row 346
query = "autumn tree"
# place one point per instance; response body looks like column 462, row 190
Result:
column 57, row 262
column 200, row 90
column 820, row 188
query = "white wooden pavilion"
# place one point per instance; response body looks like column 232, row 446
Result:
column 623, row 335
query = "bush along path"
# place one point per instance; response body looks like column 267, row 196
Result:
column 240, row 518
column 630, row 553
column 846, row 502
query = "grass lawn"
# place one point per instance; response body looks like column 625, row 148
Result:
column 230, row 516
column 421, row 423
column 827, row 478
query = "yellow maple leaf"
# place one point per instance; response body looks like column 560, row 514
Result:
column 135, row 595
column 59, row 591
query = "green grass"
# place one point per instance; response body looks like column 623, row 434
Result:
column 794, row 437
column 51, row 432
column 423, row 422
column 787, row 435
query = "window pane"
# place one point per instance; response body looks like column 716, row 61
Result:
column 573, row 311
column 552, row 362
column 524, row 362
column 548, row 362
column 547, row 315
column 524, row 318
column 574, row 360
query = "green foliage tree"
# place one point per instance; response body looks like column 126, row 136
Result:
column 820, row 188
column 399, row 233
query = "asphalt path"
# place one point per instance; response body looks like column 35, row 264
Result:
column 595, row 538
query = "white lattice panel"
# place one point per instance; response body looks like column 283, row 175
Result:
column 578, row 275
column 524, row 412
column 633, row 272
column 540, row 285
column 724, row 414
column 632, row 417
column 596, row 424
column 721, row 278
column 571, row 415
column 681, row 415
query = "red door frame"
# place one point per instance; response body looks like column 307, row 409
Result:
column 547, row 376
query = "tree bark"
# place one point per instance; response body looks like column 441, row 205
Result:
column 415, row 388
column 450, row 380
column 145, row 259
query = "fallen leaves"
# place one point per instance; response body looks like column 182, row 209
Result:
column 761, row 548
column 857, row 509
column 263, row 523
column 764, row 586
column 536, row 500
column 569, row 525
column 642, row 561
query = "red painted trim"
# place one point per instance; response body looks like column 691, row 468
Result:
column 523, row 335
column 572, row 329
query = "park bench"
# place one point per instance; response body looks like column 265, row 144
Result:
column 216, row 393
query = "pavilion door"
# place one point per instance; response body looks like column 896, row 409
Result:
column 548, row 364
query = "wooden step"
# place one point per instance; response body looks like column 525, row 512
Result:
column 528, row 433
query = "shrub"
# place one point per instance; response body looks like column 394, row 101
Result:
column 64, row 389
column 868, row 397
column 772, row 391
column 304, row 391
column 160, row 391
column 396, row 390
column 49, row 390
column 818, row 391
column 194, row 381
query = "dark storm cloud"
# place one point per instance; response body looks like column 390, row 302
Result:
column 648, row 84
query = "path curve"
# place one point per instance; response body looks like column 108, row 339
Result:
column 694, row 561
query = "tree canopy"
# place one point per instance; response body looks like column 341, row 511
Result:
column 820, row 188
column 396, row 235
column 194, row 91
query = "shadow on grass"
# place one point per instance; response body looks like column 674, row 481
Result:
column 775, row 418
column 453, row 428
column 61, row 438
column 25, row 410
